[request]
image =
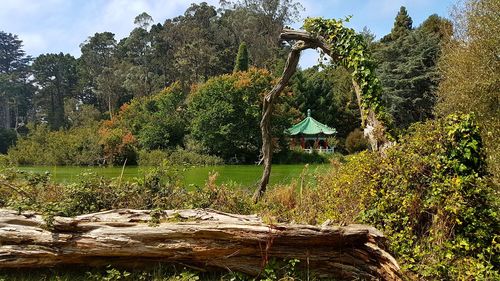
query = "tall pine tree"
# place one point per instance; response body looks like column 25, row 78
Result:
column 407, row 68
column 57, row 77
column 14, row 87
column 403, row 24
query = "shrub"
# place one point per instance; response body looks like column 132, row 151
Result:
column 429, row 194
column 185, row 157
column 118, row 143
column 179, row 156
column 152, row 158
column 356, row 141
column 297, row 155
column 76, row 146
column 160, row 188
column 432, row 198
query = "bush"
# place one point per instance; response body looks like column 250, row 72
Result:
column 432, row 197
column 429, row 194
column 185, row 157
column 152, row 158
column 356, row 141
column 76, row 146
column 160, row 188
column 4, row 160
column 177, row 157
column 297, row 155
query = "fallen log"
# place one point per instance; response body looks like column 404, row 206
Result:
column 199, row 238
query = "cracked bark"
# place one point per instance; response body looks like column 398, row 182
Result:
column 202, row 239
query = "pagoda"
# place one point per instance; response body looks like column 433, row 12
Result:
column 311, row 135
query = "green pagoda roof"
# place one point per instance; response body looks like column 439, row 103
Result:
column 310, row 126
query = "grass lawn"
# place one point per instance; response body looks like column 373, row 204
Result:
column 243, row 175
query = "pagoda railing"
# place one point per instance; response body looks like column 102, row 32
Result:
column 320, row 150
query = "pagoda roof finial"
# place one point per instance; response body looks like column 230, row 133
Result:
column 309, row 113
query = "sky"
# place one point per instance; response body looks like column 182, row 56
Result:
column 53, row 26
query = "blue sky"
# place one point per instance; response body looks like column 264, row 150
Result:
column 52, row 26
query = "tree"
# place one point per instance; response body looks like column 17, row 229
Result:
column 441, row 27
column 15, row 90
column 242, row 62
column 402, row 26
column 408, row 71
column 259, row 23
column 97, row 54
column 12, row 56
column 205, row 47
column 143, row 20
column 157, row 121
column 56, row 77
column 471, row 67
column 8, row 138
column 225, row 114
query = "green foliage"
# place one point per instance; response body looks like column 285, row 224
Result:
column 356, row 141
column 97, row 58
column 470, row 68
column 8, row 138
column 111, row 274
column 185, row 157
column 160, row 188
column 329, row 95
column 57, row 77
column 242, row 60
column 288, row 270
column 156, row 121
column 352, row 53
column 16, row 91
column 149, row 123
column 440, row 225
column 291, row 156
column 151, row 158
column 429, row 194
column 259, row 23
column 402, row 26
column 225, row 114
column 408, row 71
column 4, row 160
column 75, row 146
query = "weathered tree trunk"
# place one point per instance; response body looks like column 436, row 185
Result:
column 267, row 111
column 199, row 238
column 373, row 128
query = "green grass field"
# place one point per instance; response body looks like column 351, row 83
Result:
column 244, row 175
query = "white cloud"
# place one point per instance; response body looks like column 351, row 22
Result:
column 62, row 25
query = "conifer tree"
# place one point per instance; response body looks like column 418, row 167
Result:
column 242, row 58
column 402, row 25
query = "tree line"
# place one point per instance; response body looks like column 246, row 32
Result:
column 187, row 51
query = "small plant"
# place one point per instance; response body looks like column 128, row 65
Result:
column 111, row 274
column 187, row 276
column 155, row 217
